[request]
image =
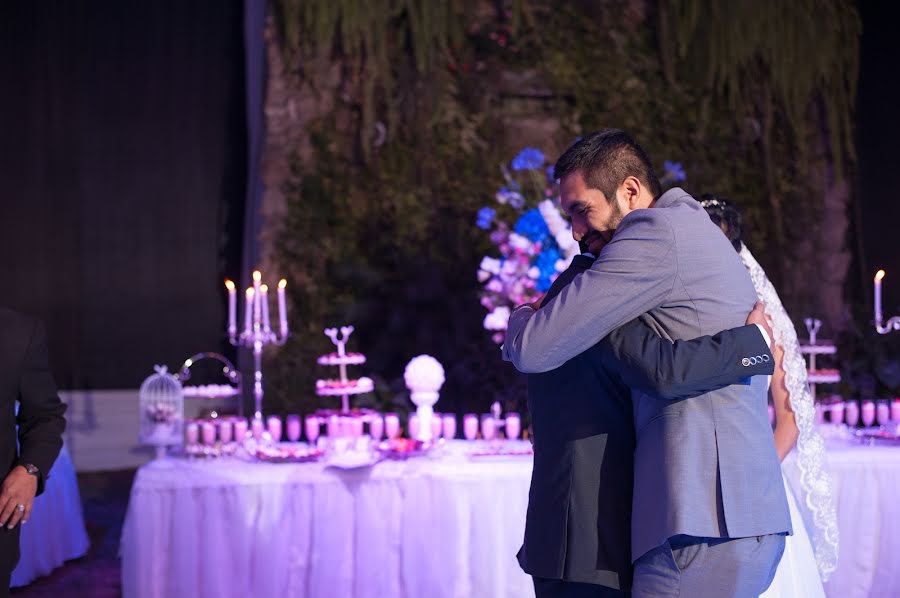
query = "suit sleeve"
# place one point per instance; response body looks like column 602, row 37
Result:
column 634, row 273
column 40, row 420
column 682, row 369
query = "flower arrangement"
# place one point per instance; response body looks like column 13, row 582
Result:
column 533, row 250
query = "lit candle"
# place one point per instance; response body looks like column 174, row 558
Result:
column 257, row 304
column 878, row 276
column 264, row 299
column 248, row 312
column 232, row 308
column 282, row 309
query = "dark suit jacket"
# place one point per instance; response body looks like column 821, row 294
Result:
column 25, row 377
column 578, row 526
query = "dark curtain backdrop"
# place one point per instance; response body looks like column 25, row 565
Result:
column 122, row 178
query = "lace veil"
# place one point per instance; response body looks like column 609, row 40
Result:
column 815, row 481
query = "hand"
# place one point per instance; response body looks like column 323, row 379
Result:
column 18, row 488
column 758, row 316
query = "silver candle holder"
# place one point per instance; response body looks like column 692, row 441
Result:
column 257, row 332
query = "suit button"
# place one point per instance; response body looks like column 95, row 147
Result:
column 765, row 359
column 753, row 361
column 745, row 362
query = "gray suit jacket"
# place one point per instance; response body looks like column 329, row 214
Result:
column 704, row 467
column 578, row 526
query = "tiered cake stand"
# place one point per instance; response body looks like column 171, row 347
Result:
column 342, row 387
column 813, row 349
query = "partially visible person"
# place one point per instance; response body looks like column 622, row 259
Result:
column 794, row 426
column 24, row 378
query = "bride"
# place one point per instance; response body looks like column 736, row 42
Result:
column 810, row 555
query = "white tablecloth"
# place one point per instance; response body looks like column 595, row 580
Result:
column 55, row 532
column 440, row 528
column 867, row 487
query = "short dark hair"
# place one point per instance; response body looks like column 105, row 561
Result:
column 605, row 158
column 726, row 216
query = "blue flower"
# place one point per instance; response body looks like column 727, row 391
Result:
column 528, row 158
column 532, row 226
column 550, row 173
column 485, row 217
column 674, row 171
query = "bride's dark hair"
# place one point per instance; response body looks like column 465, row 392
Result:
column 725, row 215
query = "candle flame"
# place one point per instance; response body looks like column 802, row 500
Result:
column 229, row 285
column 879, row 275
column 250, row 292
column 264, row 289
column 257, row 276
column 282, row 283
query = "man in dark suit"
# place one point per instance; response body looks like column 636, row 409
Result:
column 24, row 377
column 578, row 526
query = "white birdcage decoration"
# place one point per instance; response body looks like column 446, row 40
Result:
column 162, row 410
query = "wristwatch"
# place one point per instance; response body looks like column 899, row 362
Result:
column 32, row 469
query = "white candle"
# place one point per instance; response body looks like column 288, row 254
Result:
column 264, row 299
column 376, row 427
column 449, row 426
column 293, row 428
column 392, row 425
column 282, row 308
column 851, row 413
column 274, row 426
column 240, row 429
column 257, row 305
column 248, row 312
column 208, row 431
column 225, row 431
column 878, row 276
column 470, row 426
column 232, row 308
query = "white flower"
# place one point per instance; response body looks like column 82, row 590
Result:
column 483, row 275
column 424, row 374
column 489, row 264
column 497, row 319
column 494, row 286
column 534, row 272
column 519, row 242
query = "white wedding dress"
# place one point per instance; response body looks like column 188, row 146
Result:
column 810, row 554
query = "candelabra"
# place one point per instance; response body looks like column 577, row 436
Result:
column 257, row 332
column 880, row 326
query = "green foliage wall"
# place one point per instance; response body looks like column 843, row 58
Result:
column 380, row 230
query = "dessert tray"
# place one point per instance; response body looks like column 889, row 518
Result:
column 210, row 391
column 884, row 435
column 338, row 359
column 342, row 386
column 286, row 452
column 400, row 449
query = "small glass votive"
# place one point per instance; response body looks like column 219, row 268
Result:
column 208, row 433
column 312, row 428
column 225, row 431
column 436, row 424
column 376, row 427
column 240, row 429
column 257, row 428
column 851, row 413
column 513, row 426
column 392, row 425
column 837, row 413
column 882, row 413
column 895, row 410
column 292, row 429
column 274, row 428
column 413, row 425
column 448, row 426
column 868, row 412
column 191, row 433
column 488, row 426
column 470, row 426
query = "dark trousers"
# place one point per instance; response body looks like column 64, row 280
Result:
column 558, row 588
column 9, row 556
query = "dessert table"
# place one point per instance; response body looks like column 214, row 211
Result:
column 440, row 525
column 55, row 532
column 867, row 490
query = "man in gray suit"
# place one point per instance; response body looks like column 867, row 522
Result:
column 577, row 531
column 709, row 510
